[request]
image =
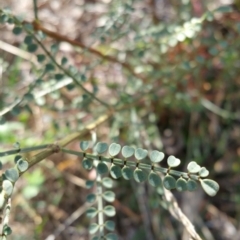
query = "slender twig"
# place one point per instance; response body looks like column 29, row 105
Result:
column 35, row 10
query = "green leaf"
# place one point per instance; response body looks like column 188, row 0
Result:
column 7, row 230
column 91, row 198
column 139, row 175
column 41, row 57
column 109, row 225
column 169, row 182
column 116, row 171
column 101, row 147
column 22, row 165
column 224, row 9
column 107, row 182
column 209, row 186
column 84, row 145
column 28, row 39
column 127, row 173
column 3, row 18
column 181, row 185
column 156, row 156
column 16, row 158
column 111, row 236
column 54, row 48
column 12, row 174
column 49, row 67
column 109, row 211
column 91, row 212
column 102, row 168
column 93, row 228
column 192, row 185
column 140, row 153
column 58, row 76
column 109, row 196
column 193, row 167
column 203, row 172
column 64, row 61
column 7, row 187
column 154, row 179
column 114, row 149
column 87, row 163
column 89, row 184
column 173, row 162
column 32, row 47
column 127, row 151
column 17, row 30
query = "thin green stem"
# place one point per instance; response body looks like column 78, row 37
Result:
column 23, row 150
column 100, row 206
column 35, row 9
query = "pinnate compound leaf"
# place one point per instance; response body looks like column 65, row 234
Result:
column 193, row 167
column 22, row 165
column 116, row 171
column 192, row 185
column 127, row 173
column 109, row 196
column 84, row 145
column 109, row 225
column 109, row 211
column 209, row 186
column 93, row 228
column 111, row 236
column 203, row 172
column 114, row 149
column 91, row 198
column 139, row 175
column 140, row 153
column 127, row 151
column 156, row 156
column 169, row 182
column 173, row 162
column 12, row 174
column 87, row 163
column 181, row 185
column 101, row 147
column 154, row 179
column 7, row 187
column 91, row 212
column 107, row 182
column 102, row 168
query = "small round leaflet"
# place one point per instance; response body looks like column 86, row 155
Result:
column 181, row 185
column 93, row 228
column 156, row 156
column 139, row 175
column 127, row 173
column 127, row 151
column 209, row 186
column 169, row 182
column 193, row 167
column 154, row 179
column 114, row 149
column 101, row 147
column 173, row 162
column 140, row 153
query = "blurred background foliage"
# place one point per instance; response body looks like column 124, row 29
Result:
column 167, row 70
